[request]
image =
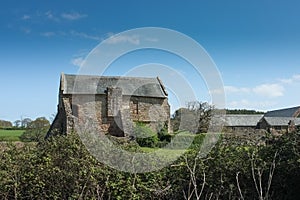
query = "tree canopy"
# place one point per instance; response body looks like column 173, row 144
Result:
column 36, row 130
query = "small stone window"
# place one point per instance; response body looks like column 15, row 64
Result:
column 135, row 107
column 75, row 110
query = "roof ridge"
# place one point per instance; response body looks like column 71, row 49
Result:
column 122, row 77
column 92, row 84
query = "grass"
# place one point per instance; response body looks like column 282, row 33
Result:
column 10, row 135
column 168, row 154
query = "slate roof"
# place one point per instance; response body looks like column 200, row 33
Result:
column 288, row 112
column 242, row 120
column 281, row 121
column 132, row 86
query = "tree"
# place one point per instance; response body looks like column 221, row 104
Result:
column 25, row 122
column 5, row 124
column 17, row 123
column 243, row 112
column 36, row 130
column 194, row 118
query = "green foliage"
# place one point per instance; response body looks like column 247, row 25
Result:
column 62, row 168
column 195, row 118
column 5, row 124
column 145, row 137
column 243, row 112
column 287, row 178
column 10, row 135
column 36, row 130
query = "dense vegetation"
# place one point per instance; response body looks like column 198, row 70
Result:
column 36, row 130
column 25, row 130
column 61, row 168
column 238, row 167
column 5, row 124
column 243, row 112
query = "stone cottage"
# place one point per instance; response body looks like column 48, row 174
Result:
column 111, row 105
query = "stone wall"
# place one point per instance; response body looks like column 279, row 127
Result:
column 153, row 111
column 112, row 113
column 114, row 101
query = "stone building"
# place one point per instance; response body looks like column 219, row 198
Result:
column 281, row 121
column 279, row 124
column 239, row 123
column 111, row 105
column 275, row 121
column 286, row 112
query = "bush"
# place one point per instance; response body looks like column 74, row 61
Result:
column 36, row 130
column 145, row 137
column 62, row 168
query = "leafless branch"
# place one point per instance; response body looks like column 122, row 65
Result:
column 271, row 173
column 193, row 187
column 238, row 185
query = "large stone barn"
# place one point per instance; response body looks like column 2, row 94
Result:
column 286, row 112
column 111, row 105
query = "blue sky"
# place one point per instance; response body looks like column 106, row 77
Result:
column 255, row 45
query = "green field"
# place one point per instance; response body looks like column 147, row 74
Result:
column 10, row 135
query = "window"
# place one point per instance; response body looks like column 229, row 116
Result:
column 135, row 107
column 75, row 110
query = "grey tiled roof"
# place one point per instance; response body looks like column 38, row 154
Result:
column 288, row 112
column 242, row 120
column 132, row 86
column 281, row 121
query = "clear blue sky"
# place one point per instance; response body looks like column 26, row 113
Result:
column 255, row 45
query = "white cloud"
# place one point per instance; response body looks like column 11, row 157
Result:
column 73, row 16
column 265, row 90
column 269, row 90
column 293, row 79
column 26, row 30
column 115, row 39
column 232, row 89
column 26, row 17
column 48, row 34
column 296, row 77
column 85, row 35
column 257, row 105
column 78, row 61
column 265, row 96
column 49, row 14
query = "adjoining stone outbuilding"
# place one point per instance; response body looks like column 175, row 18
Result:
column 110, row 104
column 281, row 121
column 239, row 122
column 276, row 121
column 279, row 124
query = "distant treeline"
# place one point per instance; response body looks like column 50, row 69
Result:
column 5, row 124
column 243, row 111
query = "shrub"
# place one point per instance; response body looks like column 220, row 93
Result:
column 145, row 137
column 62, row 168
column 36, row 130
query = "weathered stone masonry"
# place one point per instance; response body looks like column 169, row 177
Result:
column 110, row 104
